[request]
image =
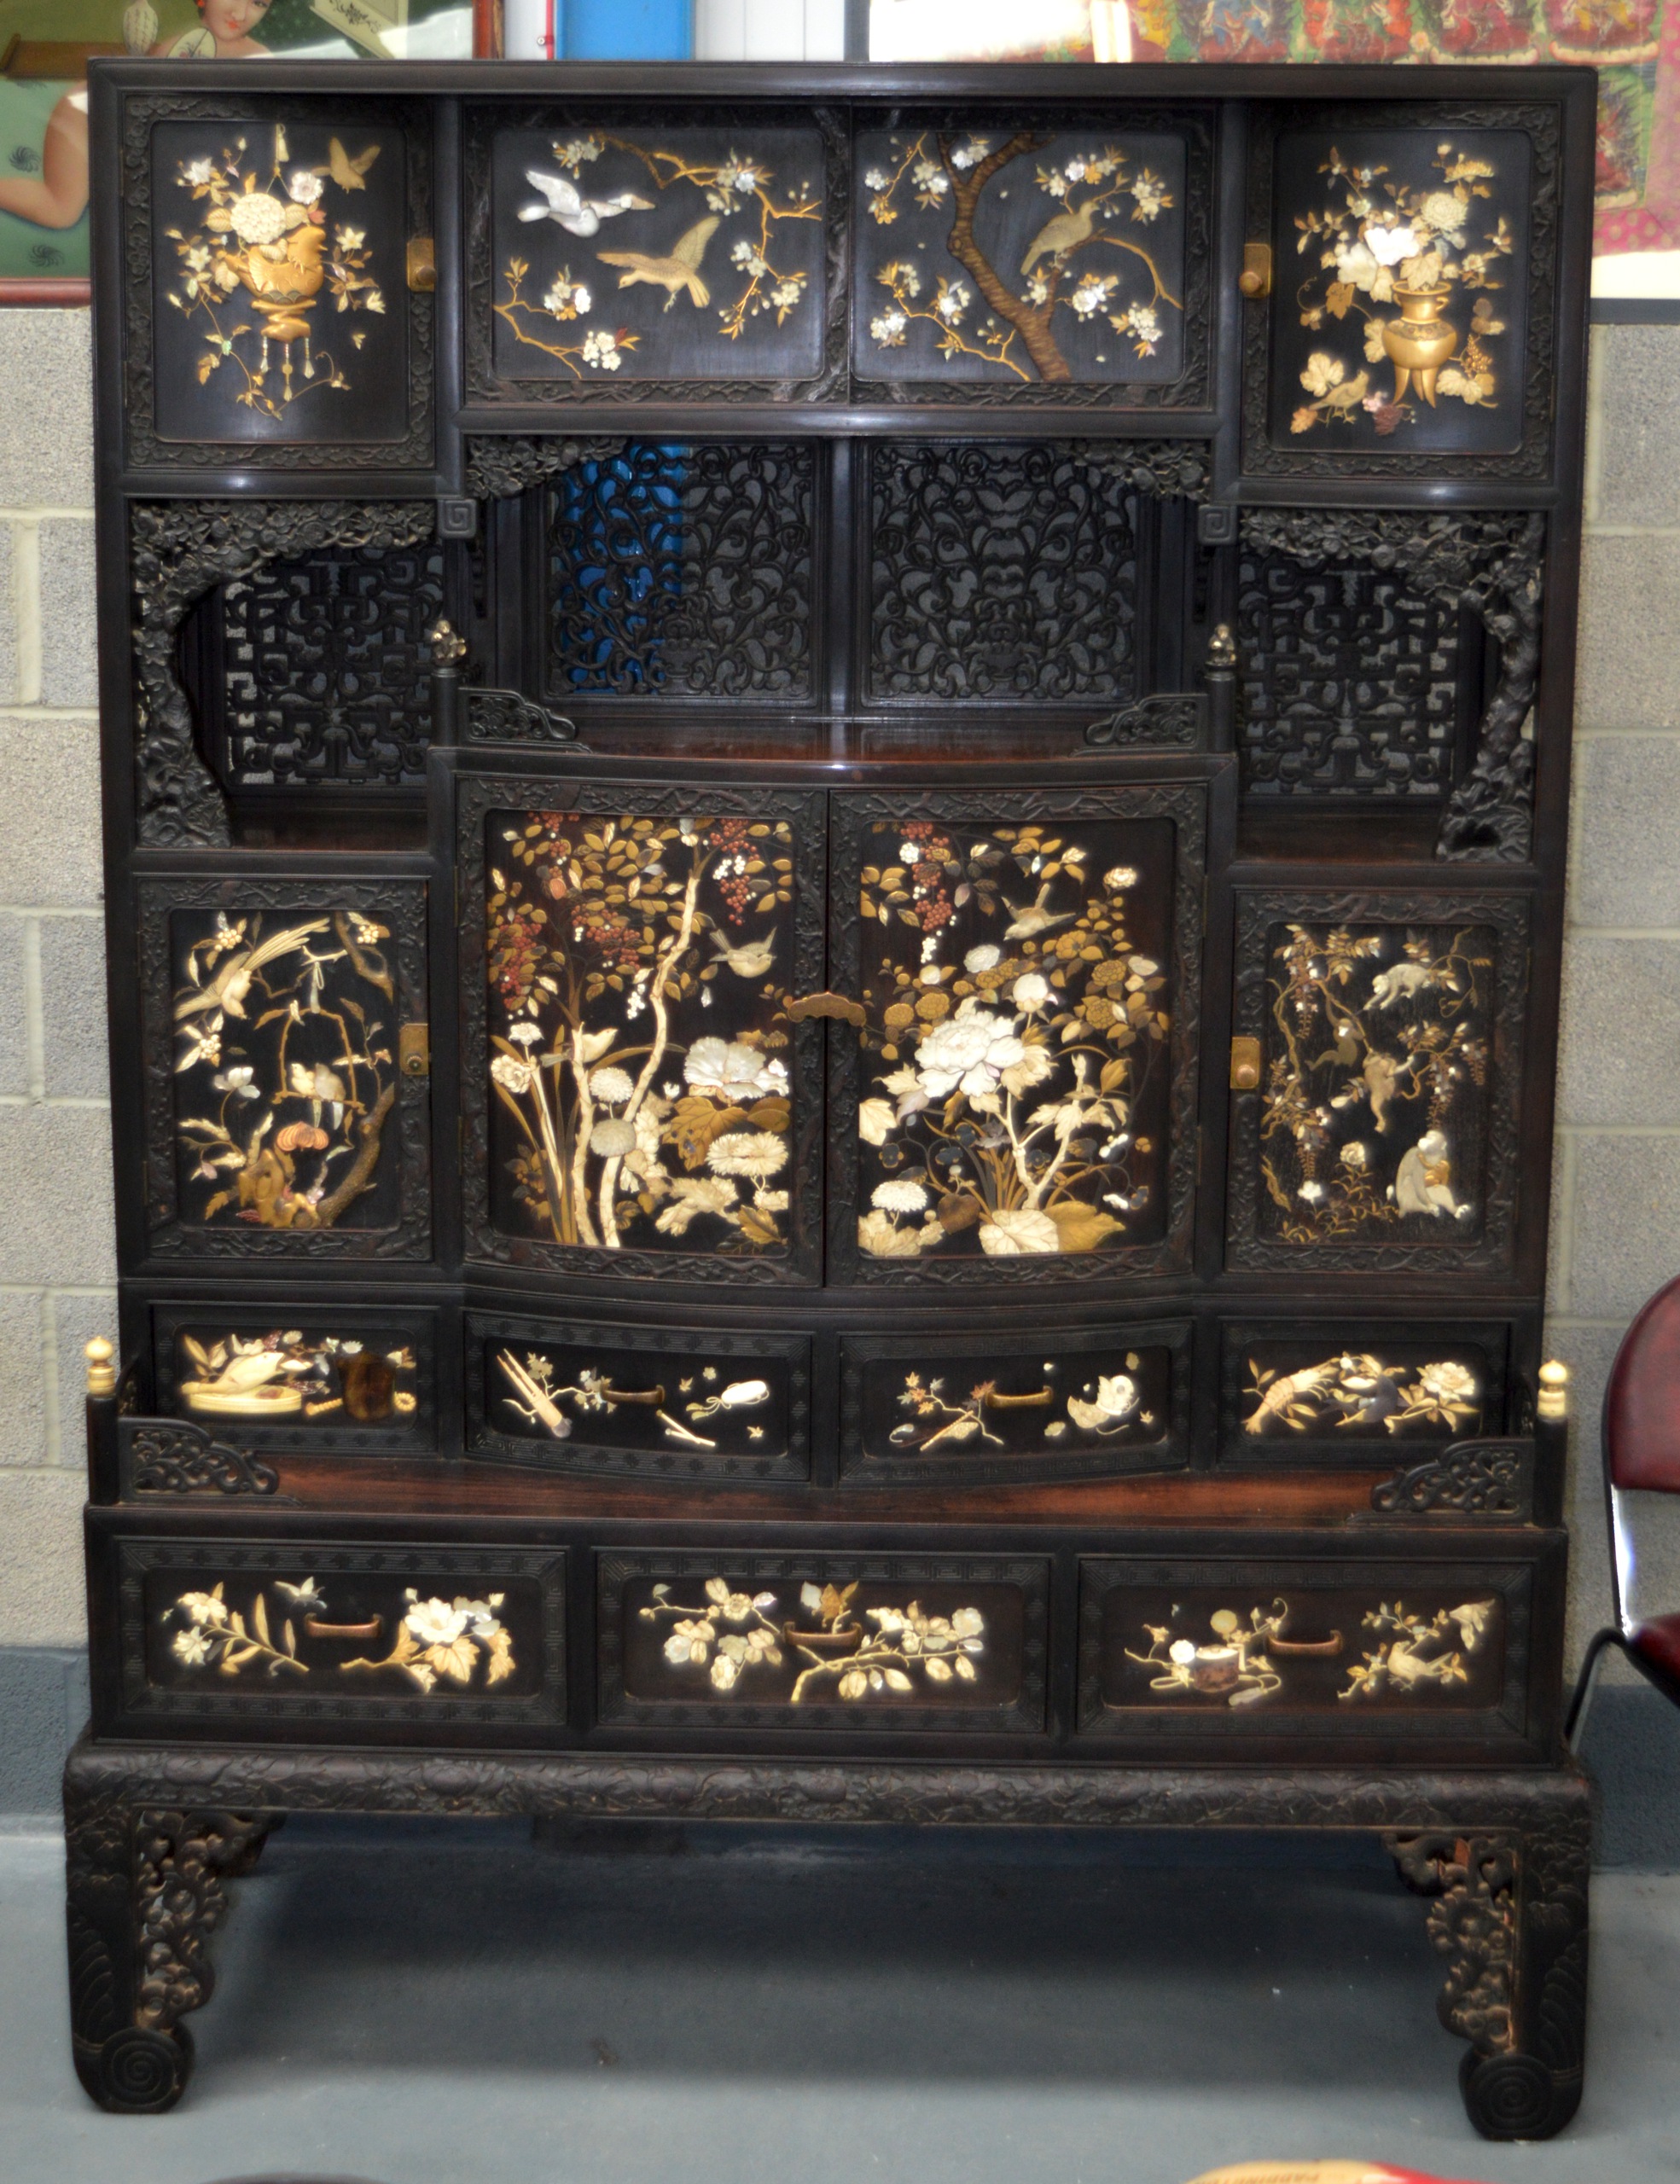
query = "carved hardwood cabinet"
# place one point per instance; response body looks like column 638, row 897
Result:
column 836, row 805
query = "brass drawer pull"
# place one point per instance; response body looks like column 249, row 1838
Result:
column 809, row 1005
column 356, row 1630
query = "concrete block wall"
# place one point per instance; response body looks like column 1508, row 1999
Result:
column 56, row 1265
column 1617, row 1178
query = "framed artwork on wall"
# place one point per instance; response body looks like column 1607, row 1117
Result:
column 45, row 46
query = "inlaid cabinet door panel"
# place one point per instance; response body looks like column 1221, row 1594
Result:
column 281, row 1120
column 636, row 1097
column 659, row 1402
column 1026, row 262
column 1346, row 1390
column 1012, row 1406
column 1383, row 1132
column 1018, row 1103
column 324, row 1637
column 1401, row 1653
column 299, row 1376
column 793, row 1641
column 615, row 259
column 1409, row 331
column 271, row 315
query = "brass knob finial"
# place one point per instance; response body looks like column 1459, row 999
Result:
column 101, row 1368
column 1554, row 1389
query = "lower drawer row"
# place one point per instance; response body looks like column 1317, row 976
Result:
column 543, row 1645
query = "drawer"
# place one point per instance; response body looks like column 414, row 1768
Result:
column 375, row 1642
column 1017, row 1406
column 870, row 1644
column 660, row 1402
column 1224, row 1653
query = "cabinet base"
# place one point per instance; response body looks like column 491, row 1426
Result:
column 153, row 1835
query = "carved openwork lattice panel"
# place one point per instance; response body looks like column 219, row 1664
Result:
column 637, row 1095
column 278, row 314
column 1044, row 1405
column 1017, row 1105
column 1001, row 572
column 683, row 572
column 1357, row 1393
column 1252, row 1649
column 1396, row 344
column 292, row 1376
column 324, row 671
column 307, row 1632
column 626, row 252
column 1020, row 257
column 1353, row 681
column 1384, row 1130
column 819, row 1641
column 279, row 1120
column 659, row 1402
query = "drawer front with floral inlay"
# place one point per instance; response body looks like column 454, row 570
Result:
column 819, row 1641
column 297, row 1377
column 321, row 1637
column 1050, row 1406
column 663, row 1403
column 1397, row 1652
column 1354, row 1391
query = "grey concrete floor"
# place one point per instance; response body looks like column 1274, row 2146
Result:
column 452, row 2003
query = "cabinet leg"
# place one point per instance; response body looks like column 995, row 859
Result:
column 144, row 1893
column 1510, row 1914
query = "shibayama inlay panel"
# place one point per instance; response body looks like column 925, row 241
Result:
column 280, row 280
column 1401, row 290
column 636, row 252
column 1018, row 256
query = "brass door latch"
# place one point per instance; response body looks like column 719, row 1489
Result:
column 422, row 265
column 414, row 1050
column 1244, row 1064
column 1255, row 280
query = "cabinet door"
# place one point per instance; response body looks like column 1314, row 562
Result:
column 635, row 1098
column 1018, row 1103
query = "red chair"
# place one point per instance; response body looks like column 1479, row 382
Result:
column 1642, row 1455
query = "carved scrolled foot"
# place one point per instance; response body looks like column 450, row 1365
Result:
column 145, row 1890
column 1510, row 1916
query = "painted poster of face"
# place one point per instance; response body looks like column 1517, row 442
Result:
column 44, row 48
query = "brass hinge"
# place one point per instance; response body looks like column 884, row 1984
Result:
column 1244, row 1064
column 1255, row 280
column 422, row 265
column 414, row 1050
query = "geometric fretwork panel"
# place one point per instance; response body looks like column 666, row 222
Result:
column 683, row 572
column 1349, row 680
column 1001, row 572
column 326, row 672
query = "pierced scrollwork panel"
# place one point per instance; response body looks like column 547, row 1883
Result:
column 683, row 572
column 636, row 1095
column 279, row 1122
column 1350, row 682
column 1018, row 1105
column 1247, row 1649
column 1384, row 1131
column 1044, row 1406
column 158, row 1457
column 657, row 1403
column 292, row 1377
column 312, row 1633
column 822, row 1641
column 325, row 669
column 1001, row 572
column 1356, row 1393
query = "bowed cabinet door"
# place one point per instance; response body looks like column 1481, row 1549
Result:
column 637, row 1101
column 1017, row 1102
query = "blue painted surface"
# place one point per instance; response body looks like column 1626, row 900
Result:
column 628, row 30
